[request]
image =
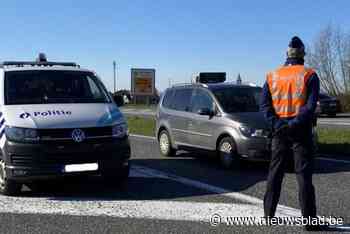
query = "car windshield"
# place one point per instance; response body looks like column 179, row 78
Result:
column 38, row 87
column 238, row 99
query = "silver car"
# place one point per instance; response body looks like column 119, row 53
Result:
column 221, row 117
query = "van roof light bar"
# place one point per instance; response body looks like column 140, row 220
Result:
column 24, row 63
column 40, row 61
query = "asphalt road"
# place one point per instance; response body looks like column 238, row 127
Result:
column 175, row 195
column 340, row 121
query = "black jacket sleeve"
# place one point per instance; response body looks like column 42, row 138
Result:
column 267, row 109
column 307, row 112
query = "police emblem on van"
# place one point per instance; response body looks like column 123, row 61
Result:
column 24, row 115
column 78, row 135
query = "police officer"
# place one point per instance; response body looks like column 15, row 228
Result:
column 289, row 100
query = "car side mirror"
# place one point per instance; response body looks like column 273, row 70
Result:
column 205, row 111
column 119, row 100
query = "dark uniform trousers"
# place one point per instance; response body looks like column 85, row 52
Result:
column 301, row 148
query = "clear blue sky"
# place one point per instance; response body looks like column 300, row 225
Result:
column 177, row 38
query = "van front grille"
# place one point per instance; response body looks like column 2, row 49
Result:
column 65, row 133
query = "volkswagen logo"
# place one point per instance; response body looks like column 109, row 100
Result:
column 78, row 135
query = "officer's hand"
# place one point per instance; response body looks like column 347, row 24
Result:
column 282, row 131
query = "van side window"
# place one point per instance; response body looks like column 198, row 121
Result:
column 182, row 99
column 168, row 98
column 201, row 99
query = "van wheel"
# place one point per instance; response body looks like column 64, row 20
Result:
column 165, row 147
column 227, row 153
column 8, row 187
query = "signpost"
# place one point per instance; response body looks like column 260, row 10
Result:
column 142, row 84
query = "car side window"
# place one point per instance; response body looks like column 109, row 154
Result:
column 200, row 100
column 182, row 99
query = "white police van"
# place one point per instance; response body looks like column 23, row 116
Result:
column 57, row 119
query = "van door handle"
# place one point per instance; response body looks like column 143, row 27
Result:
column 190, row 124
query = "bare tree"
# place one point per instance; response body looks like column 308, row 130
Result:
column 342, row 46
column 330, row 56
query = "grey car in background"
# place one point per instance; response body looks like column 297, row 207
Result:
column 328, row 105
column 222, row 118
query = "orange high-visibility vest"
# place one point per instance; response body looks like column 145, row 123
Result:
column 287, row 86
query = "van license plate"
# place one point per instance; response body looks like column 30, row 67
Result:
column 81, row 167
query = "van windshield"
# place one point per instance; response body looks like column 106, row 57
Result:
column 238, row 99
column 39, row 87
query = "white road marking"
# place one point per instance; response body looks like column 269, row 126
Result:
column 282, row 210
column 145, row 209
column 334, row 123
column 160, row 210
column 142, row 136
column 333, row 160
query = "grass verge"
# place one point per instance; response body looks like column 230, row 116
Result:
column 141, row 126
column 334, row 141
column 331, row 141
column 140, row 106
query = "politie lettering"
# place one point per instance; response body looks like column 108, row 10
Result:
column 50, row 113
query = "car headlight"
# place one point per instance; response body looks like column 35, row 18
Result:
column 251, row 132
column 21, row 134
column 120, row 130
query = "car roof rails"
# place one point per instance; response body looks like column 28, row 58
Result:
column 40, row 61
column 189, row 85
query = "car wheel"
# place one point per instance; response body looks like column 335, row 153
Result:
column 227, row 153
column 8, row 187
column 165, row 147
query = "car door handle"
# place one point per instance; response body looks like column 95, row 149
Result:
column 190, row 124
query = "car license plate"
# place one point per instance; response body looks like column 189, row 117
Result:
column 333, row 104
column 81, row 167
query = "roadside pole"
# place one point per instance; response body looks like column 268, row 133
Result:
column 114, row 76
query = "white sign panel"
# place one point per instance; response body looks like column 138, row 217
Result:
column 143, row 81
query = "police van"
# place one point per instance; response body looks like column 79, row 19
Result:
column 57, row 119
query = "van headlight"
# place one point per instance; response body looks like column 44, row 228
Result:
column 120, row 130
column 21, row 134
column 252, row 132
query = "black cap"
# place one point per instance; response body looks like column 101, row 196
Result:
column 296, row 43
column 296, row 48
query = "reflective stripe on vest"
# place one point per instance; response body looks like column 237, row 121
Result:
column 287, row 86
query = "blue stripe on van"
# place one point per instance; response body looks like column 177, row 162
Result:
column 2, row 133
column 2, row 122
